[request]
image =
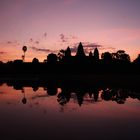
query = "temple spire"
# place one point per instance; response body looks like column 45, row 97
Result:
column 80, row 50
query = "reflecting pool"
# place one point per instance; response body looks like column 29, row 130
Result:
column 68, row 113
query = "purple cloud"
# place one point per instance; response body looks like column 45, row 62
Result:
column 108, row 48
column 45, row 35
column 9, row 42
column 91, row 45
column 12, row 42
column 42, row 50
column 37, row 42
column 31, row 40
column 63, row 38
column 67, row 39
column 87, row 47
column 73, row 49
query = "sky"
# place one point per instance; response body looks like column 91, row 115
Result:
column 46, row 26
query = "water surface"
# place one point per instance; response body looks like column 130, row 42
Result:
column 63, row 113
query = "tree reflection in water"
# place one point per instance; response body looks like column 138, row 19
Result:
column 82, row 93
column 24, row 100
column 117, row 95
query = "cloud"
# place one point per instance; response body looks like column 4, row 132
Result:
column 91, row 45
column 42, row 50
column 12, row 43
column 73, row 37
column 2, row 52
column 31, row 40
column 88, row 46
column 37, row 42
column 73, row 49
column 9, row 42
column 108, row 48
column 63, row 38
column 68, row 38
column 45, row 34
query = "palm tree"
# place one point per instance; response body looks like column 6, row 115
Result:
column 24, row 48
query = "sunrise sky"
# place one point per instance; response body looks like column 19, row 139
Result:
column 46, row 26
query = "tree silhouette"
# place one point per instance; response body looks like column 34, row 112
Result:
column 61, row 54
column 121, row 55
column 64, row 55
column 24, row 48
column 137, row 60
column 52, row 58
column 35, row 61
column 106, row 57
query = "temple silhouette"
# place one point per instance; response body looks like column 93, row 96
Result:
column 65, row 63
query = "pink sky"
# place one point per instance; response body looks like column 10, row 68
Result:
column 53, row 25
